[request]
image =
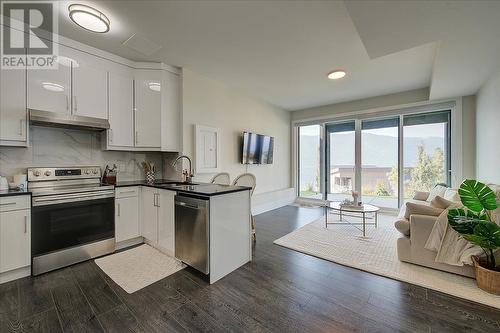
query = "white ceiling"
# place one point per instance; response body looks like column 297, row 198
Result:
column 281, row 51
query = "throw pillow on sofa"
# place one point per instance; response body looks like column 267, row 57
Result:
column 451, row 194
column 422, row 196
column 418, row 209
column 437, row 190
column 442, row 203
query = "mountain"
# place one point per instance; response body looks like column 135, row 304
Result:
column 377, row 150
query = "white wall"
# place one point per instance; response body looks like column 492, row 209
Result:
column 210, row 103
column 406, row 97
column 488, row 131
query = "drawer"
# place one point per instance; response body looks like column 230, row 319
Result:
column 15, row 202
column 126, row 192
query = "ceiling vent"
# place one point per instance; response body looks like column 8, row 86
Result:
column 142, row 45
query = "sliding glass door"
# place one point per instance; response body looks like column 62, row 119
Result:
column 380, row 162
column 340, row 160
column 426, row 146
column 384, row 159
column 309, row 140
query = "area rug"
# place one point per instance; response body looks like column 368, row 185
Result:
column 377, row 254
column 138, row 267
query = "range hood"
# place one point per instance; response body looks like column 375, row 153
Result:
column 54, row 119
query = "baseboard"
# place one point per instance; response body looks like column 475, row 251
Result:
column 264, row 202
column 129, row 242
column 15, row 274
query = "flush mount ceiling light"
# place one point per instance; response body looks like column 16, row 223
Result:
column 155, row 86
column 336, row 74
column 52, row 87
column 89, row 18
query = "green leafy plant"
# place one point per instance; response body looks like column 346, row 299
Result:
column 475, row 224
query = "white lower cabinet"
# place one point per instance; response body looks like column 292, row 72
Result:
column 15, row 238
column 158, row 218
column 127, row 224
column 166, row 219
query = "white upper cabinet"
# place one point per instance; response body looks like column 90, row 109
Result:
column 90, row 84
column 50, row 89
column 13, row 118
column 148, row 108
column 171, row 112
column 121, row 111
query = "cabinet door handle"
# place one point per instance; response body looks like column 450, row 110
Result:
column 76, row 104
column 7, row 203
column 25, row 224
column 110, row 135
column 67, row 103
column 136, row 138
column 118, row 205
column 158, row 200
column 21, row 131
column 154, row 199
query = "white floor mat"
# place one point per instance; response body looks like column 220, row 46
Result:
column 138, row 267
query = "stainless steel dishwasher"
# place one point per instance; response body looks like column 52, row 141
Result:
column 192, row 232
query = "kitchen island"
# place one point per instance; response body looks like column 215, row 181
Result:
column 207, row 226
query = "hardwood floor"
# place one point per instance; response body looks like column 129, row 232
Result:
column 280, row 291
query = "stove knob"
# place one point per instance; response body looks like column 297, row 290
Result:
column 87, row 171
column 37, row 173
column 48, row 173
column 95, row 171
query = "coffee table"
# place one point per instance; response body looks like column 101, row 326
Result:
column 361, row 212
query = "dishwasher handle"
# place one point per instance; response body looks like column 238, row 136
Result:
column 180, row 203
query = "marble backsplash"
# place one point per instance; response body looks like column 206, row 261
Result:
column 65, row 148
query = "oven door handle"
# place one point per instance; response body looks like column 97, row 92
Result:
column 74, row 197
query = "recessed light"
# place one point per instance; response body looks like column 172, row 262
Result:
column 89, row 18
column 52, row 87
column 336, row 74
column 155, row 86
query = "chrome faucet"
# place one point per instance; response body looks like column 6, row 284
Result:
column 187, row 174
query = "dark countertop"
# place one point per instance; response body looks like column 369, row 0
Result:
column 196, row 188
column 7, row 193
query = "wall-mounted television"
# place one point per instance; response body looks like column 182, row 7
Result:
column 257, row 149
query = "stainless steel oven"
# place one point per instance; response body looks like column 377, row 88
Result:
column 72, row 217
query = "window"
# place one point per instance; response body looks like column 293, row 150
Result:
column 384, row 159
column 380, row 162
column 340, row 160
column 309, row 161
column 426, row 140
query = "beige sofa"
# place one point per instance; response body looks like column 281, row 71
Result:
column 411, row 247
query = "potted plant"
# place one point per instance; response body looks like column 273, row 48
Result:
column 476, row 226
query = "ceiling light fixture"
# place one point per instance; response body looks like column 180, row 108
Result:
column 155, row 86
column 89, row 18
column 336, row 74
column 52, row 87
